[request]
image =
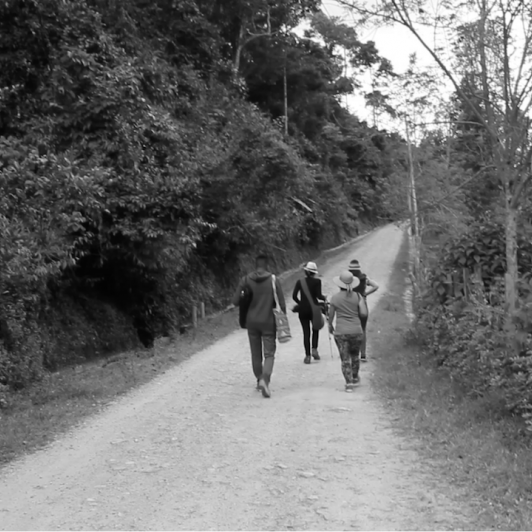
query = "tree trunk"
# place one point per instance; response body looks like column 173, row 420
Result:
column 285, row 89
column 413, row 199
column 236, row 64
column 511, row 276
column 414, row 223
column 238, row 52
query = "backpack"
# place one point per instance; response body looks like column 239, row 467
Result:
column 246, row 296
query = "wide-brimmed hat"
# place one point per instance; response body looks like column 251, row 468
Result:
column 311, row 267
column 347, row 281
column 354, row 266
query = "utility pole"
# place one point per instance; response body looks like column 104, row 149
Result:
column 285, row 89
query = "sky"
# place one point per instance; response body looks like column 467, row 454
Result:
column 395, row 43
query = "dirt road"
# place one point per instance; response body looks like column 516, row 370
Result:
column 199, row 448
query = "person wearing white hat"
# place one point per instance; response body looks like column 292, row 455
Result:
column 349, row 307
column 309, row 286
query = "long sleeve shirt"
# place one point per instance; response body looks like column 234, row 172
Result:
column 298, row 295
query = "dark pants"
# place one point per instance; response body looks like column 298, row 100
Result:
column 306, row 323
column 262, row 345
column 363, row 322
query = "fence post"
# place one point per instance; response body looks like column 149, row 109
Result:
column 456, row 285
column 478, row 273
column 194, row 316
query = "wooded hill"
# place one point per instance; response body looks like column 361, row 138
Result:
column 148, row 149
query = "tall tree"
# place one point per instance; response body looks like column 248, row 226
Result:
column 244, row 21
column 499, row 43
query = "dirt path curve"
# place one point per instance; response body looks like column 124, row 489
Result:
column 199, row 448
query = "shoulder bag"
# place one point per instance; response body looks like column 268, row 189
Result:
column 318, row 321
column 282, row 326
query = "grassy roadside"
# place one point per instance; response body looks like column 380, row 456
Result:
column 36, row 416
column 471, row 442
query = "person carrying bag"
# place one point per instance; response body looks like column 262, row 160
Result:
column 262, row 307
column 366, row 287
column 306, row 294
column 348, row 307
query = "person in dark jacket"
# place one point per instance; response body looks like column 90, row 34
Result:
column 260, row 321
column 304, row 309
column 366, row 287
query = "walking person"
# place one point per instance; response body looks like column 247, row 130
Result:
column 366, row 287
column 260, row 321
column 349, row 307
column 307, row 295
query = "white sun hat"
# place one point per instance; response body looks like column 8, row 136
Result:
column 347, row 281
column 311, row 267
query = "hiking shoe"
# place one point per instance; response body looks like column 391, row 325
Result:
column 349, row 388
column 258, row 386
column 363, row 358
column 315, row 354
column 356, row 380
column 263, row 385
column 307, row 360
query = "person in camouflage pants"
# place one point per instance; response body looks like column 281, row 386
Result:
column 348, row 307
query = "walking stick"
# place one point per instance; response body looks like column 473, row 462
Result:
column 328, row 330
column 330, row 344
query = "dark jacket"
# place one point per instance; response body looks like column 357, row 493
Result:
column 300, row 298
column 260, row 313
column 361, row 288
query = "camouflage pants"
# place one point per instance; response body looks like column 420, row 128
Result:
column 349, row 347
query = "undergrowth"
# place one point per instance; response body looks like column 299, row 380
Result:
column 471, row 439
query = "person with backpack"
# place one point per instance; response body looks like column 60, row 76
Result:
column 308, row 297
column 348, row 307
column 256, row 299
column 366, row 287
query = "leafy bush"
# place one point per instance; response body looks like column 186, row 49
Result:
column 467, row 336
column 482, row 248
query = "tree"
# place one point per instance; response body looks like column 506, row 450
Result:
column 244, row 21
column 498, row 37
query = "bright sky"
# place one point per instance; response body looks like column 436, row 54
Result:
column 395, row 43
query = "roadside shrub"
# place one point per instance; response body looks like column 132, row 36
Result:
column 470, row 342
column 21, row 360
column 482, row 248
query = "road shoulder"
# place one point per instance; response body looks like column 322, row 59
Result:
column 450, row 430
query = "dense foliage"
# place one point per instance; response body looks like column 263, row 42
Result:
column 143, row 161
column 461, row 312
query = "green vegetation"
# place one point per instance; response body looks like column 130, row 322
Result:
column 149, row 149
column 468, row 439
column 470, row 169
